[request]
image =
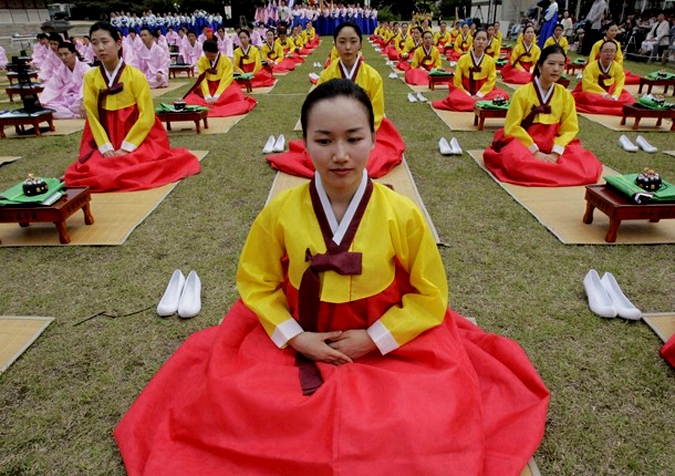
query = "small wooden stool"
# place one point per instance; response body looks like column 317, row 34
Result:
column 631, row 110
column 650, row 83
column 618, row 207
column 175, row 69
column 76, row 198
column 22, row 119
column 571, row 68
column 184, row 116
column 434, row 80
column 482, row 113
column 21, row 91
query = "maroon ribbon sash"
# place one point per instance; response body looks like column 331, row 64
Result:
column 603, row 76
column 337, row 258
column 543, row 108
column 354, row 75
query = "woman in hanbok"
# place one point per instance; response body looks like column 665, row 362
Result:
column 611, row 30
column 389, row 147
column 273, row 54
column 442, row 38
column 215, row 87
column 524, row 57
column 558, row 38
column 493, row 47
column 124, row 147
column 462, row 44
column 601, row 90
column 247, row 59
column 288, row 46
column 537, row 146
column 341, row 355
column 474, row 80
column 224, row 42
column 413, row 43
column 424, row 60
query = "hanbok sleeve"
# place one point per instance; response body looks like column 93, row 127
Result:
column 589, row 79
column 202, row 65
column 569, row 122
column 90, row 93
column 236, row 60
column 417, row 58
column 520, row 107
column 460, row 72
column 491, row 79
column 226, row 75
column 438, row 62
column 146, row 113
column 425, row 308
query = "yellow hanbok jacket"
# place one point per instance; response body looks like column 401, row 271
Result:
column 488, row 72
column 274, row 53
column 224, row 74
column 494, row 48
column 288, row 45
column 590, row 81
column 423, row 58
column 518, row 52
column 563, row 112
column 445, row 39
column 461, row 40
column 401, row 42
column 366, row 77
column 562, row 41
column 135, row 92
column 392, row 229
column 252, row 57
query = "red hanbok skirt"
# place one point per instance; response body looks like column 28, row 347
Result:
column 403, row 65
column 452, row 55
column 386, row 155
column 284, row 66
column 231, row 103
column 295, row 58
column 417, row 76
column 261, row 79
column 455, row 399
column 458, row 100
column 511, row 162
column 631, row 78
column 668, row 351
column 513, row 75
column 153, row 164
column 593, row 103
column 392, row 53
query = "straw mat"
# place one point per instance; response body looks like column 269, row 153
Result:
column 217, row 125
column 663, row 323
column 63, row 127
column 17, row 333
column 173, row 85
column 647, row 124
column 463, row 121
column 116, row 216
column 399, row 178
column 561, row 210
column 7, row 160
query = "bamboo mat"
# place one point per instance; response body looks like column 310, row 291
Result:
column 173, row 85
column 399, row 178
column 561, row 209
column 513, row 86
column 217, row 125
column 663, row 323
column 63, row 127
column 8, row 160
column 424, row 88
column 669, row 152
column 17, row 333
column 647, row 124
column 116, row 216
column 266, row 90
column 463, row 121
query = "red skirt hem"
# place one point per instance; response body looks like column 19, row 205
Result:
column 232, row 102
column 458, row 100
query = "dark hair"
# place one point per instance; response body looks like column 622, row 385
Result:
column 55, row 37
column 346, row 24
column 545, row 53
column 245, row 32
column 147, row 28
column 609, row 41
column 68, row 45
column 210, row 46
column 478, row 30
column 427, row 31
column 333, row 89
column 417, row 28
column 190, row 32
column 42, row 35
column 558, row 25
column 104, row 25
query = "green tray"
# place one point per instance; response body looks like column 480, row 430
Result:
column 626, row 184
column 491, row 105
column 243, row 76
column 15, row 196
column 655, row 75
column 440, row 72
column 580, row 61
column 649, row 103
column 164, row 107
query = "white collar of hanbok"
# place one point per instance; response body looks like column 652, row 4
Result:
column 604, row 70
column 477, row 61
column 247, row 50
column 110, row 77
column 527, row 48
column 339, row 229
column 545, row 95
column 349, row 74
column 428, row 53
column 215, row 61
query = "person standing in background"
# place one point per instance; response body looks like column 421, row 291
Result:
column 594, row 19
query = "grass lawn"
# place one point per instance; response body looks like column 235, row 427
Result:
column 611, row 411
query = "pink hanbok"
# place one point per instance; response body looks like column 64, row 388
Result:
column 38, row 56
column 192, row 53
column 50, row 64
column 152, row 62
column 225, row 45
column 3, row 58
column 63, row 91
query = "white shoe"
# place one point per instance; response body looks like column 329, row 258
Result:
column 280, row 144
column 269, row 146
column 421, row 98
column 623, row 306
column 168, row 305
column 598, row 299
column 454, row 145
column 646, row 146
column 580, row 76
column 444, row 147
column 411, row 97
column 313, row 76
column 393, row 76
column 627, row 145
column 191, row 299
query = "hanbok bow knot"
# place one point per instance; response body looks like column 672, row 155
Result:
column 527, row 122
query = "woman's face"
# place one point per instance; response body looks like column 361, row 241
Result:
column 465, row 29
column 528, row 35
column 552, row 67
column 479, row 42
column 608, row 52
column 611, row 32
column 416, row 35
column 270, row 36
column 348, row 44
column 491, row 31
column 105, row 48
column 339, row 142
column 428, row 40
column 244, row 39
column 557, row 32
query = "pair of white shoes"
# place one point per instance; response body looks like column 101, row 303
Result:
column 449, row 148
column 628, row 146
column 317, row 65
column 313, row 77
column 393, row 75
column 275, row 144
column 182, row 296
column 416, row 98
column 606, row 299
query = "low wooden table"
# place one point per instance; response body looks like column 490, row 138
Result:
column 650, row 83
column 21, row 91
column 618, row 207
column 571, row 68
column 434, row 80
column 631, row 110
column 14, row 76
column 246, row 83
column 23, row 119
column 482, row 113
column 184, row 116
column 76, row 198
column 175, row 69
